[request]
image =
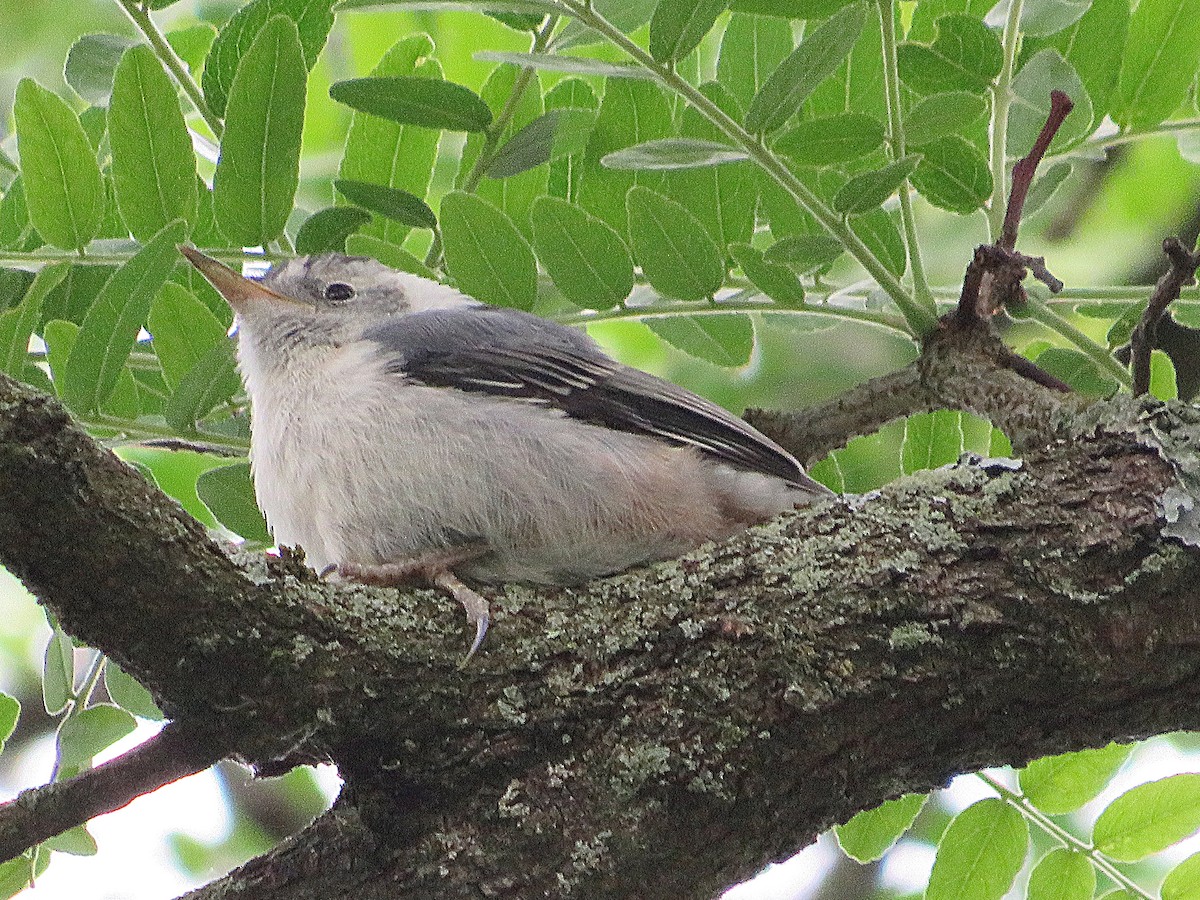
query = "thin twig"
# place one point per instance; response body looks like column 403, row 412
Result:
column 1144, row 339
column 1023, row 172
column 40, row 813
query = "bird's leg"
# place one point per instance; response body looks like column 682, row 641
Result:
column 432, row 567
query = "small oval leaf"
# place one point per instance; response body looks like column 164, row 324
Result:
column 412, row 100
column 153, row 165
column 724, row 339
column 1062, row 875
column 812, row 62
column 872, row 832
column 586, row 258
column 980, row 853
column 865, row 192
column 1149, row 818
column 678, row 26
column 259, row 167
column 1061, row 784
column 832, row 139
column 775, row 280
column 486, row 254
column 666, row 154
column 64, row 191
column 673, row 248
column 326, row 230
column 228, row 492
column 391, row 203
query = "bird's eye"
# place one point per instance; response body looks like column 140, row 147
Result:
column 338, row 292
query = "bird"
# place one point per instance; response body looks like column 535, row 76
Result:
column 403, row 431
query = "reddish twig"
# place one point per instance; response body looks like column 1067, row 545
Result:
column 1181, row 272
column 1023, row 172
column 40, row 813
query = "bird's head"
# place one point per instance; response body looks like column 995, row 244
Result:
column 320, row 301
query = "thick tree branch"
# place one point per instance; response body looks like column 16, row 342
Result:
column 663, row 732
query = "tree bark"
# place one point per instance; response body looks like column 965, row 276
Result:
column 664, row 732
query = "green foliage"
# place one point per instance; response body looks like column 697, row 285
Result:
column 699, row 219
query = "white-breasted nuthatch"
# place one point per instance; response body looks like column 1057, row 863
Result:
column 401, row 429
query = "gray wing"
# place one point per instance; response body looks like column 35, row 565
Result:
column 507, row 353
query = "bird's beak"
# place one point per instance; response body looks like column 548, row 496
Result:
column 239, row 292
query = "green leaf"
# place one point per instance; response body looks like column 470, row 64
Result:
column 631, row 112
column 789, row 9
column 931, row 440
column 19, row 873
column 552, row 135
column 566, row 173
column 574, row 65
column 514, row 195
column 678, row 26
column 184, row 330
column 676, row 254
column 1062, row 875
column 92, row 731
column 980, row 853
column 389, row 254
column 129, row 694
column 1183, row 882
column 942, row 115
column 518, row 21
column 210, row 382
column 1046, row 186
column 1078, row 370
column 831, row 139
column 751, row 48
column 812, row 62
column 153, row 166
column 1061, row 784
column 259, row 167
column 19, row 322
column 805, row 254
column 486, row 254
column 228, row 492
column 58, row 673
column 1182, row 344
column 1093, row 46
column 724, row 340
column 865, row 192
column 1150, row 817
column 1160, row 61
column 872, row 832
column 953, row 175
column 515, row 6
column 312, row 20
column 412, row 100
column 326, row 230
column 91, row 62
column 192, row 43
column 723, row 198
column 14, row 218
column 672, row 153
column 965, row 56
column 586, row 258
column 10, row 711
column 112, row 322
column 775, row 280
column 63, row 188
column 1044, row 17
column 400, row 206
column 879, row 230
column 1046, row 71
column 76, row 841
column 398, row 156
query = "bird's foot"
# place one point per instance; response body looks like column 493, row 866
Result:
column 432, row 567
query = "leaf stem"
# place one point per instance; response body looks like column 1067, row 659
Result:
column 149, row 431
column 169, row 58
column 1102, row 863
column 1001, row 99
column 1040, row 312
column 891, row 83
column 918, row 316
column 705, row 308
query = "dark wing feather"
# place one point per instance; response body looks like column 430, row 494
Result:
column 507, row 353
